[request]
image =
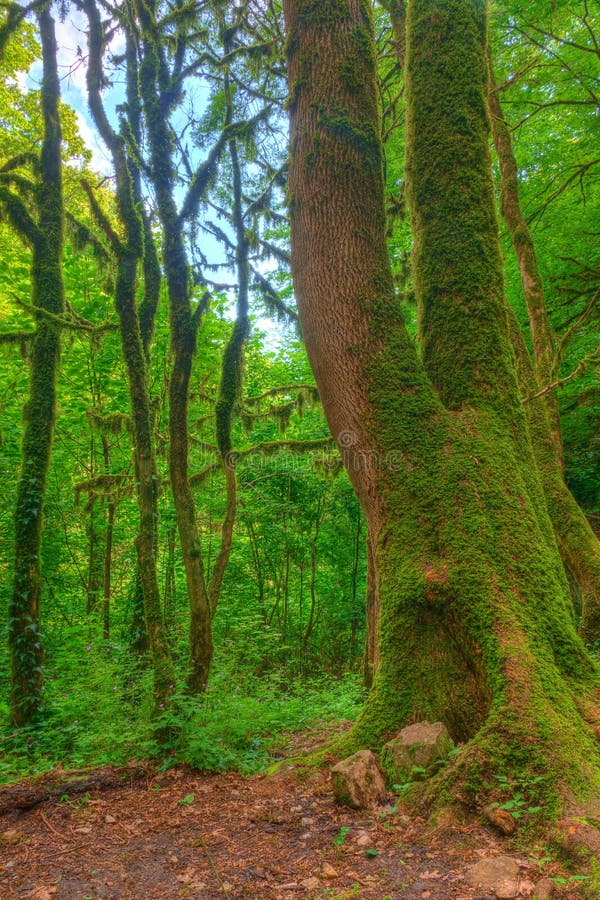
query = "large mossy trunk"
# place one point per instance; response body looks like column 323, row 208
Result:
column 25, row 638
column 475, row 620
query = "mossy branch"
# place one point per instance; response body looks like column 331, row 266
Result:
column 17, row 214
column 20, row 160
column 207, row 171
column 16, row 15
column 308, row 389
column 103, row 485
column 259, row 202
column 267, row 448
column 583, row 364
column 16, row 337
column 83, row 237
column 73, row 323
column 272, row 300
column 103, row 221
column 24, row 185
column 200, row 310
column 577, row 323
column 108, row 423
column 95, row 76
column 276, row 252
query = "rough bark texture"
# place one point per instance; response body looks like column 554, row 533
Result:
column 25, row 637
column 475, row 626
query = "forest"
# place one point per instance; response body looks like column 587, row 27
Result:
column 300, row 395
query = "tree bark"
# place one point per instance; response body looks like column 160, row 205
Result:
column 25, row 638
column 475, row 625
column 579, row 547
column 129, row 253
column 184, row 320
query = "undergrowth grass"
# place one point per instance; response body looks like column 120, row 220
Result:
column 98, row 710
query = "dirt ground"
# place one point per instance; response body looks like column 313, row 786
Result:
column 182, row 834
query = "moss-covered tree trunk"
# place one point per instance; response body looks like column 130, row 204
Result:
column 46, row 238
column 129, row 253
column 475, row 624
column 578, row 545
column 155, row 85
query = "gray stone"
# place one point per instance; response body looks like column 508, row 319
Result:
column 499, row 875
column 357, row 780
column 420, row 746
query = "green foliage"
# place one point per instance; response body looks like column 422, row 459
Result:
column 522, row 795
column 340, row 838
column 106, row 716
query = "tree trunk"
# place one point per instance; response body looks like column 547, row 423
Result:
column 129, row 254
column 106, row 594
column 96, row 539
column 475, row 625
column 184, row 324
column 542, row 338
column 25, row 637
column 579, row 547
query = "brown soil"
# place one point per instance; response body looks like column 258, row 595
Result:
column 182, row 834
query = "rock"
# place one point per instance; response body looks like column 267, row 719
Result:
column 12, row 836
column 110, row 820
column 500, row 818
column 327, row 871
column 420, row 746
column 577, row 838
column 357, row 780
column 499, row 875
column 544, row 889
column 311, row 884
column 363, row 839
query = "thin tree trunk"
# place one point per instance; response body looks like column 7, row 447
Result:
column 184, row 325
column 170, row 587
column 95, row 560
column 260, row 578
column 128, row 256
column 110, row 522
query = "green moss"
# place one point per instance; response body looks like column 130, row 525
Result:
column 321, row 12
column 363, row 137
column 475, row 624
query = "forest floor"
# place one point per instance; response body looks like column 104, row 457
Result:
column 181, row 834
